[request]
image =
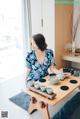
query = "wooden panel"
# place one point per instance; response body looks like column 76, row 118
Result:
column 63, row 29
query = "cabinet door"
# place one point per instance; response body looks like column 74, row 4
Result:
column 48, row 22
column 36, row 16
column 42, row 17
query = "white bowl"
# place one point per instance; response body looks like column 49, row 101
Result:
column 49, row 91
column 67, row 74
column 30, row 83
column 36, row 85
column 43, row 88
column 60, row 76
column 53, row 80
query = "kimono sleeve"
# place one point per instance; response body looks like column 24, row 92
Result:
column 28, row 61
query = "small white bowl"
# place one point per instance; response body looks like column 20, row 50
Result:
column 49, row 91
column 67, row 74
column 30, row 83
column 43, row 88
column 60, row 76
column 36, row 85
column 53, row 80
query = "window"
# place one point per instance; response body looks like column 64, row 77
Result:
column 11, row 38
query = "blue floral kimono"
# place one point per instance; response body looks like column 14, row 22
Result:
column 39, row 70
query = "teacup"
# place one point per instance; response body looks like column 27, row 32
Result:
column 43, row 88
column 30, row 83
column 36, row 85
column 53, row 80
column 60, row 76
column 49, row 91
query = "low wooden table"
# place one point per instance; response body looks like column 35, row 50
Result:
column 41, row 103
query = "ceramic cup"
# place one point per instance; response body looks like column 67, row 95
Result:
column 43, row 88
column 49, row 91
column 36, row 85
column 60, row 76
column 53, row 79
column 30, row 83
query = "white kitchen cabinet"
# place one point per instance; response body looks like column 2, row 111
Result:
column 42, row 20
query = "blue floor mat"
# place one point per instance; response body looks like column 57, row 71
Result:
column 22, row 100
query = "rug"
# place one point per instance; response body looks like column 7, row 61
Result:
column 22, row 100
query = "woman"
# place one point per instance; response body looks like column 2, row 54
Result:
column 40, row 60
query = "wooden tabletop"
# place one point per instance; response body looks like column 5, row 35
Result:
column 60, row 94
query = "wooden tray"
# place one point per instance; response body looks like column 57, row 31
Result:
column 42, row 93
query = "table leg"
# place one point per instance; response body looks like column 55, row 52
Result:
column 32, row 105
column 41, row 106
column 79, row 87
column 44, row 109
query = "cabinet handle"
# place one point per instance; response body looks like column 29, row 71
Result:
column 41, row 22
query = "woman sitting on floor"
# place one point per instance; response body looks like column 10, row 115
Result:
column 40, row 59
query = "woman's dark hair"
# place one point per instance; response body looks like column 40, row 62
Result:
column 40, row 41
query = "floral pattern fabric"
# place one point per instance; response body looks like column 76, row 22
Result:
column 37, row 70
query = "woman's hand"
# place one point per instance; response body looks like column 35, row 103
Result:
column 53, row 69
column 47, row 77
column 61, row 70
